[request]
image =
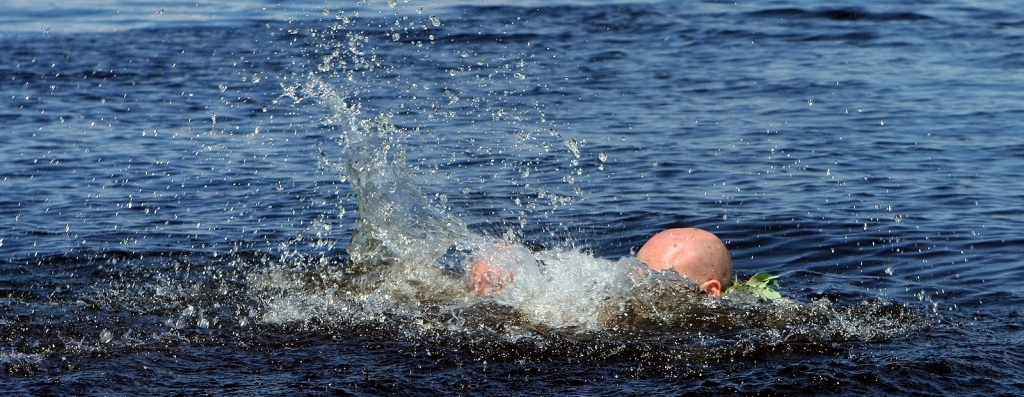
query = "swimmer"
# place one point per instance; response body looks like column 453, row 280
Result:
column 692, row 253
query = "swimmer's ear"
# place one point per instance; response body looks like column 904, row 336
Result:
column 712, row 287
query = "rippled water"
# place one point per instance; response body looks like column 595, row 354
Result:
column 179, row 186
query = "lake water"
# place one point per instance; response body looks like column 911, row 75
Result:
column 181, row 188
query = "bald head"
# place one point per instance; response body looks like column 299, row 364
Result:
column 693, row 253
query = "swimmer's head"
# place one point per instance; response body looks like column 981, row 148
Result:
column 693, row 253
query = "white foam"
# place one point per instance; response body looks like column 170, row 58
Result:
column 561, row 288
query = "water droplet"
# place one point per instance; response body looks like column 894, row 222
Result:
column 573, row 147
column 106, row 336
column 888, row 270
column 435, row 21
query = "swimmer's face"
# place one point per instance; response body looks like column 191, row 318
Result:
column 693, row 253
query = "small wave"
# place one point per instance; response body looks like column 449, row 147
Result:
column 840, row 14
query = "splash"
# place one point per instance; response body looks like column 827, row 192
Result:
column 398, row 225
column 409, row 255
column 401, row 251
column 401, row 237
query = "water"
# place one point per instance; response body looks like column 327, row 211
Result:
column 181, row 184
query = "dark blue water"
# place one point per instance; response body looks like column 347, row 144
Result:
column 177, row 210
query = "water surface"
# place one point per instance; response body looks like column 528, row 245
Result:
column 179, row 186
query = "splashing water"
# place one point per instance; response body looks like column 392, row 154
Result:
column 181, row 215
column 409, row 258
column 401, row 236
column 405, row 274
